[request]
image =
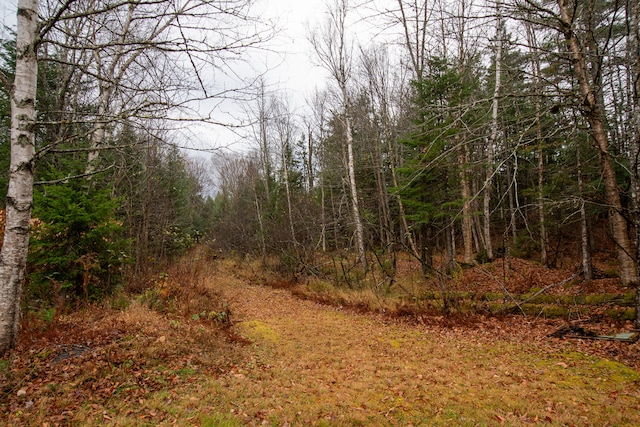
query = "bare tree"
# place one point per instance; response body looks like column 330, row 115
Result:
column 592, row 110
column 532, row 42
column 414, row 19
column 285, row 133
column 62, row 28
column 333, row 52
column 493, row 138
column 317, row 104
column 260, row 117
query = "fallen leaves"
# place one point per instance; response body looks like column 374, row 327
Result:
column 307, row 364
column 96, row 360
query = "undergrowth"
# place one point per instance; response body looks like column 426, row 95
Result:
column 206, row 344
column 123, row 362
column 402, row 288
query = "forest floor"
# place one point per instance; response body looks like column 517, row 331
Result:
column 210, row 345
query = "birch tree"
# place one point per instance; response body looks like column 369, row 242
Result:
column 13, row 255
column 284, row 134
column 493, row 138
column 333, row 52
column 61, row 29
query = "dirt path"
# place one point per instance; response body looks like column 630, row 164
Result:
column 316, row 365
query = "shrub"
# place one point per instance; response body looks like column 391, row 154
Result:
column 76, row 247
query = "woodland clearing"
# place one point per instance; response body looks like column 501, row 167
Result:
column 210, row 345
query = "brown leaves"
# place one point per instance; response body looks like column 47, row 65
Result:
column 146, row 366
column 97, row 356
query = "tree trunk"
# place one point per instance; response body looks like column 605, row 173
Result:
column 13, row 256
column 535, row 73
column 310, row 174
column 513, row 196
column 351, row 172
column 450, row 249
column 463, row 150
column 383, row 199
column 544, row 259
column 336, row 218
column 406, row 231
column 584, row 230
column 287, row 187
column 467, row 232
column 323, row 213
column 263, row 243
column 114, row 72
column 592, row 111
column 333, row 53
column 493, row 139
column 107, row 87
column 264, row 142
column 635, row 72
column 99, row 130
column 542, row 218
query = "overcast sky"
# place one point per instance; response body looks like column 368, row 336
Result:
column 288, row 59
column 7, row 14
column 295, row 19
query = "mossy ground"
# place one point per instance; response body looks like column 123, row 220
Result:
column 332, row 367
column 293, row 362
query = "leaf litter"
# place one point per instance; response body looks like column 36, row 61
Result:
column 287, row 361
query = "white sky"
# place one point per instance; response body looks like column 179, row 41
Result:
column 296, row 20
column 7, row 14
column 289, row 61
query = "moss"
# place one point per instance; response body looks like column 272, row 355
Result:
column 629, row 299
column 492, row 296
column 540, row 299
column 600, row 299
column 185, row 372
column 219, row 420
column 621, row 314
column 258, row 329
column 616, row 371
column 575, row 299
column 549, row 311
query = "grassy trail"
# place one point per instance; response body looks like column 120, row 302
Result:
column 310, row 364
column 163, row 360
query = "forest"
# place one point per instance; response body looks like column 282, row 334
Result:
column 450, row 147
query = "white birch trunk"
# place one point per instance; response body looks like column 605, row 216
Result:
column 584, row 231
column 13, row 256
column 493, row 139
column 354, row 192
column 285, row 169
